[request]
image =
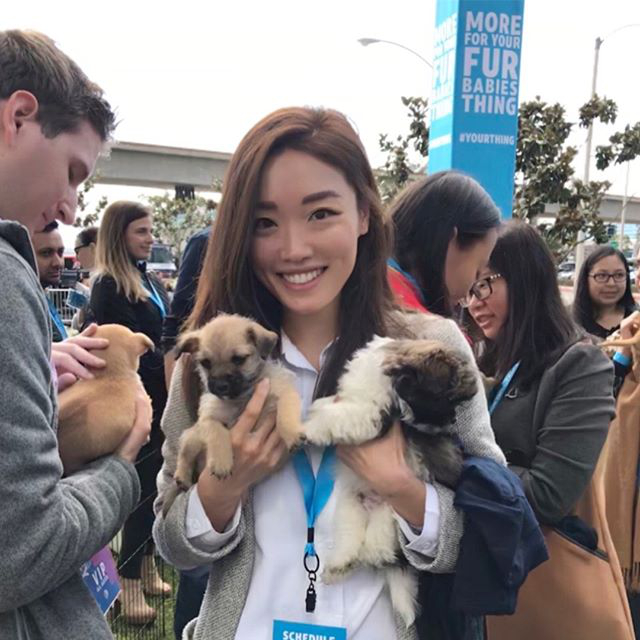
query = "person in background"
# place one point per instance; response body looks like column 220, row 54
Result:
column 53, row 124
column 124, row 293
column 445, row 227
column 85, row 248
column 184, row 295
column 49, row 249
column 555, row 399
column 603, row 292
column 193, row 583
column 604, row 303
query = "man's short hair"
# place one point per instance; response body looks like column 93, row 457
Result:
column 31, row 61
column 87, row 236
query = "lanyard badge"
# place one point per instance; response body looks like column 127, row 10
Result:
column 316, row 491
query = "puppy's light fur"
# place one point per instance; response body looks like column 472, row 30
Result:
column 367, row 401
column 95, row 415
column 231, row 355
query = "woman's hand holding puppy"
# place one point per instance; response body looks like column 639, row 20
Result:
column 258, row 451
column 382, row 465
column 139, row 434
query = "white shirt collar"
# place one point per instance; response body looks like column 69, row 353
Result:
column 295, row 358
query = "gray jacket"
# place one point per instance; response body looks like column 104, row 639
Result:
column 49, row 526
column 229, row 582
column 552, row 433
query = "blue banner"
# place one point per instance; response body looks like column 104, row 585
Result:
column 474, row 101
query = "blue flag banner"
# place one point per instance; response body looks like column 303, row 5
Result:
column 474, row 100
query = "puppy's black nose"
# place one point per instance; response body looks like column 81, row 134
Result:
column 219, row 386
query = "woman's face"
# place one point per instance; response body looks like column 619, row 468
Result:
column 607, row 293
column 462, row 265
column 305, row 237
column 139, row 239
column 491, row 313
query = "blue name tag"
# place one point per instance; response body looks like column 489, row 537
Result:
column 284, row 630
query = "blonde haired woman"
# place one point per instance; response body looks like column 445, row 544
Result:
column 124, row 293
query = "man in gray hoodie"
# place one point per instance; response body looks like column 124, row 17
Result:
column 53, row 124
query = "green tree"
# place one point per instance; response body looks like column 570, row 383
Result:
column 545, row 175
column 176, row 219
column 91, row 218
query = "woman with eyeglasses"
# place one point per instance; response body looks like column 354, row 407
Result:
column 553, row 400
column 603, row 294
column 445, row 226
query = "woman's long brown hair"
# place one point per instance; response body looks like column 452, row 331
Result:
column 228, row 284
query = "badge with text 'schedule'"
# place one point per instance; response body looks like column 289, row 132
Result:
column 474, row 97
column 101, row 578
column 284, row 630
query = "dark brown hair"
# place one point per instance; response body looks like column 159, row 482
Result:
column 425, row 217
column 228, row 284
column 30, row 61
column 538, row 327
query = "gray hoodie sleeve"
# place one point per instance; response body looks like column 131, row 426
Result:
column 169, row 532
column 48, row 526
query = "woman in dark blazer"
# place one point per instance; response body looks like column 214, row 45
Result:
column 553, row 417
column 553, row 400
column 124, row 293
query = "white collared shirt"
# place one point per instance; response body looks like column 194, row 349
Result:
column 360, row 603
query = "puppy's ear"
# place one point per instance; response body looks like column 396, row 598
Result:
column 187, row 343
column 145, row 343
column 265, row 341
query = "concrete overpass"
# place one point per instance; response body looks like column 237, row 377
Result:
column 150, row 165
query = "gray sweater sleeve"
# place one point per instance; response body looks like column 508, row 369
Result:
column 48, row 526
column 473, row 427
column 169, row 532
column 576, row 400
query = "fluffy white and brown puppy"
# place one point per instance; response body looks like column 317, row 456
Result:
column 231, row 354
column 96, row 415
column 420, row 383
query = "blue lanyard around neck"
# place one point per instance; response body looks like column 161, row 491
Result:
column 504, row 385
column 316, row 490
column 56, row 319
column 154, row 295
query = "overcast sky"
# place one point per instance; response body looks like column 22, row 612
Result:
column 199, row 75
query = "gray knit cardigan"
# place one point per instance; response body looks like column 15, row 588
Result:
column 229, row 583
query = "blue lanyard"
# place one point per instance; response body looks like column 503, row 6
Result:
column 55, row 317
column 154, row 295
column 394, row 265
column 504, row 385
column 316, row 492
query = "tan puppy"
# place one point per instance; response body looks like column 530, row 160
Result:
column 96, row 415
column 231, row 354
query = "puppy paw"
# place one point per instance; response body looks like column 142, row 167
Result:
column 182, row 480
column 221, row 474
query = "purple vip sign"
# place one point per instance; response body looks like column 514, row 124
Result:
column 101, row 577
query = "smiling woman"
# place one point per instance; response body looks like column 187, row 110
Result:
column 300, row 245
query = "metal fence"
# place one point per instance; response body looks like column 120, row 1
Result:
column 59, row 299
column 161, row 626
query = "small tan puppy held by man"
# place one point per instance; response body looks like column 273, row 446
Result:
column 231, row 355
column 95, row 415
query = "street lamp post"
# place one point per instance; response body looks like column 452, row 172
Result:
column 365, row 42
column 587, row 162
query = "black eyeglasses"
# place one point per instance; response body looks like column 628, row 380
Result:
column 481, row 289
column 602, row 277
column 77, row 249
